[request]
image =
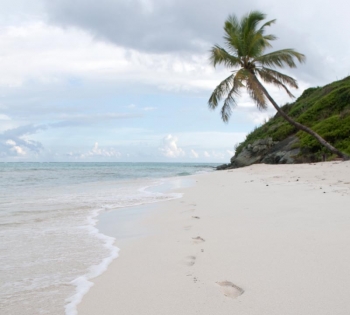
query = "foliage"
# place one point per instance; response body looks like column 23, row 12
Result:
column 324, row 109
column 245, row 55
column 334, row 129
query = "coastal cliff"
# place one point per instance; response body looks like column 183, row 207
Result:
column 324, row 109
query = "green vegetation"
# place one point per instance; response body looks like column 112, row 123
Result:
column 245, row 55
column 324, row 109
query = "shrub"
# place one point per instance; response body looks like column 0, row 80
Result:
column 324, row 109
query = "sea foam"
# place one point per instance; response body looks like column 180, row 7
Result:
column 83, row 283
column 51, row 249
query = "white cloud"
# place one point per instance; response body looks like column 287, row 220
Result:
column 169, row 147
column 13, row 141
column 98, row 152
column 149, row 108
column 230, row 153
column 15, row 148
column 59, row 54
column 10, row 142
column 19, row 150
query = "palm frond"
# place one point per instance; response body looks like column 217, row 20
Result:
column 256, row 93
column 230, row 102
column 254, row 39
column 250, row 35
column 233, row 38
column 226, row 109
column 240, row 77
column 230, row 86
column 222, row 89
column 232, row 23
column 285, row 79
column 245, row 43
column 219, row 55
column 280, row 58
column 270, row 37
column 250, row 22
column 277, row 79
column 269, row 23
column 257, row 45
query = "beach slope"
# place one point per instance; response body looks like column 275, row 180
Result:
column 253, row 241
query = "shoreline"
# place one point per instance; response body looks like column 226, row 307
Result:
column 84, row 282
column 239, row 240
column 123, row 218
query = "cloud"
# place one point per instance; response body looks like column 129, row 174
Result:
column 15, row 148
column 169, row 147
column 15, row 142
column 78, row 64
column 47, row 66
column 97, row 151
column 147, row 25
column 181, row 27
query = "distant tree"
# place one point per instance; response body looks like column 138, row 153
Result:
column 246, row 43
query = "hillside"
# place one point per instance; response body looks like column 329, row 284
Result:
column 324, row 109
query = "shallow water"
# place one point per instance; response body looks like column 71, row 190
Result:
column 48, row 240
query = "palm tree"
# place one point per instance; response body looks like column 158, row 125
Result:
column 246, row 43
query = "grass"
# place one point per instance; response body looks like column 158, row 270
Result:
column 324, row 109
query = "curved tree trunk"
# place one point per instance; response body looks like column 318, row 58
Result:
column 300, row 126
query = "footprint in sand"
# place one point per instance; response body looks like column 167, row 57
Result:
column 195, row 217
column 230, row 290
column 190, row 260
column 198, row 239
column 187, row 227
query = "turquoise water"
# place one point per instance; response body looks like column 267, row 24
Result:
column 50, row 247
column 15, row 175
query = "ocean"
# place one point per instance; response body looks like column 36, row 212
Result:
column 49, row 244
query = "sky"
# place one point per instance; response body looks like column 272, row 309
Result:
column 129, row 80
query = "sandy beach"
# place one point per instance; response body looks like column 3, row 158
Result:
column 265, row 239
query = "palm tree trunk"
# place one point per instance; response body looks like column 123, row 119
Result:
column 300, row 126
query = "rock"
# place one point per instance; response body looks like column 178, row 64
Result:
column 252, row 153
column 283, row 152
column 265, row 151
column 222, row 167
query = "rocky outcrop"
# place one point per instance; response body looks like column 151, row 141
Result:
column 283, row 152
column 252, row 153
column 265, row 151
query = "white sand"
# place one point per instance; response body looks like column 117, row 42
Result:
column 271, row 240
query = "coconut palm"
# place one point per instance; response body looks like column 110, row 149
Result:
column 245, row 55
